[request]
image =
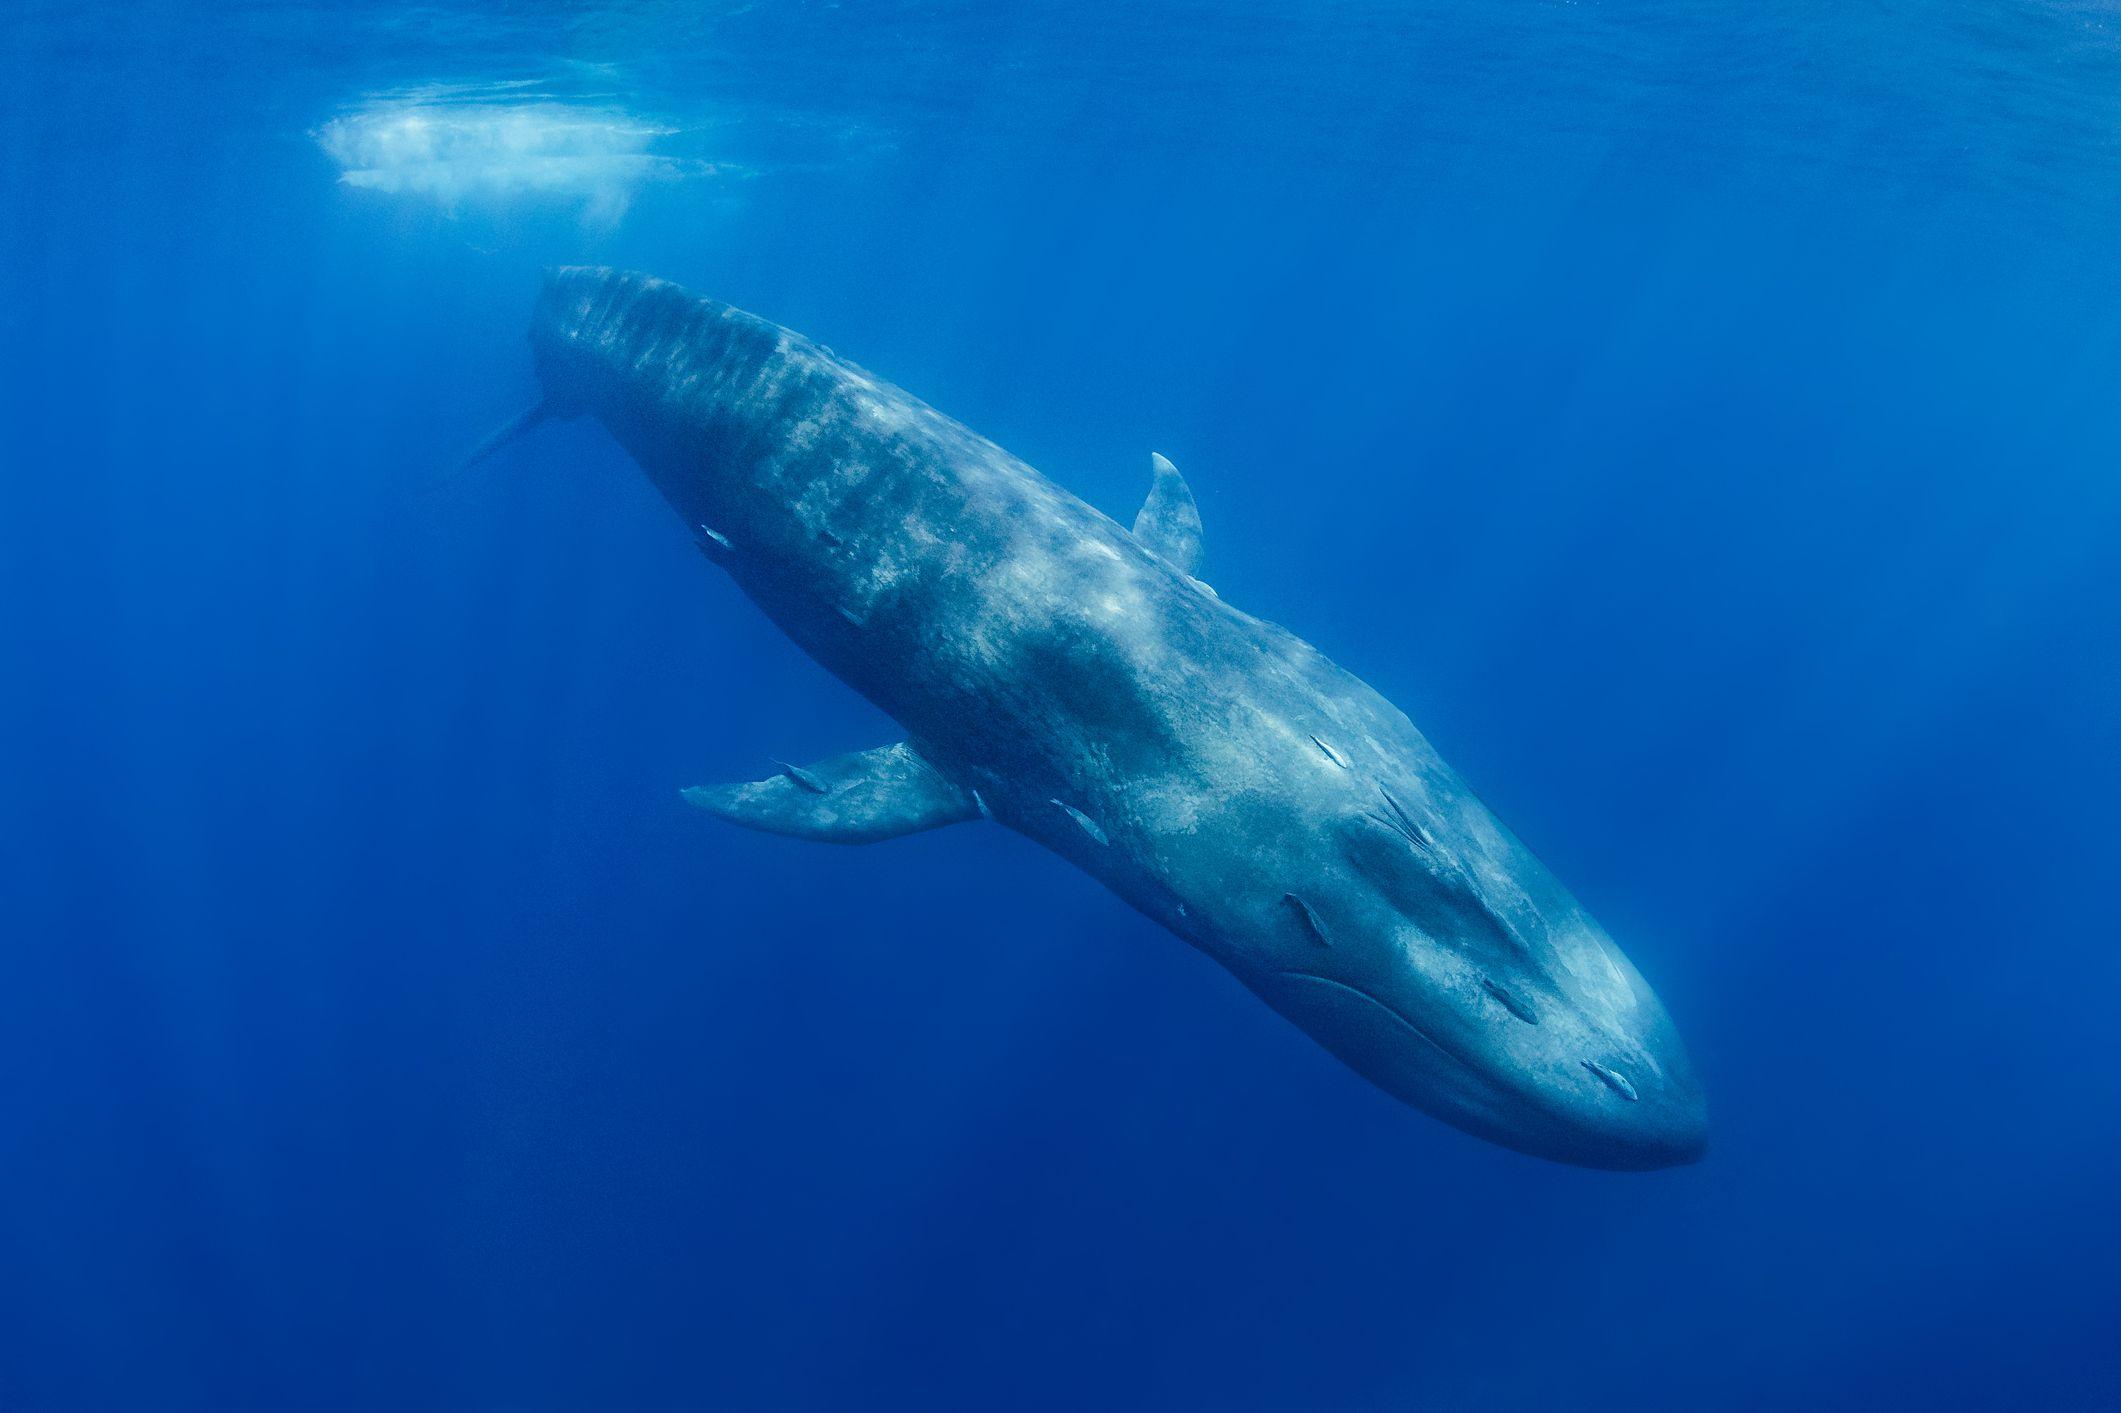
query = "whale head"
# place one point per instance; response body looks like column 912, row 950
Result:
column 1432, row 953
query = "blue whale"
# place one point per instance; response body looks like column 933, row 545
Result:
column 1076, row 681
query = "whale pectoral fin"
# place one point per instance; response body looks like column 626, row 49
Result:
column 508, row 433
column 851, row 799
column 1168, row 524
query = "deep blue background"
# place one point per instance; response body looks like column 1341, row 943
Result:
column 1703, row 419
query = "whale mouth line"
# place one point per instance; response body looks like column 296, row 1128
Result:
column 1390, row 1010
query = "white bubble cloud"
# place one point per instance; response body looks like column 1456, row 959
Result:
column 461, row 151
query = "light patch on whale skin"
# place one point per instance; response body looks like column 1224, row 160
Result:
column 887, row 414
column 1168, row 807
column 1602, row 987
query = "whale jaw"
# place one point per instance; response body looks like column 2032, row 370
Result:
column 1591, row 1114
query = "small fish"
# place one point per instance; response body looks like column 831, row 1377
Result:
column 1510, row 1002
column 1614, row 1080
column 1089, row 825
column 1308, row 918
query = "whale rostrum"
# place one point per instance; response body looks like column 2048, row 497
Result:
column 1074, row 680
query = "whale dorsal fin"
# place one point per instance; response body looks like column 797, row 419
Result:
column 1168, row 524
column 851, row 799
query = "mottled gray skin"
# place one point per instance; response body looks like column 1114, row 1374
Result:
column 1055, row 673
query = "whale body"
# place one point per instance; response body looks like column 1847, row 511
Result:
column 1073, row 679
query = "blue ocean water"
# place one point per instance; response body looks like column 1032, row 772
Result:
column 1702, row 419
